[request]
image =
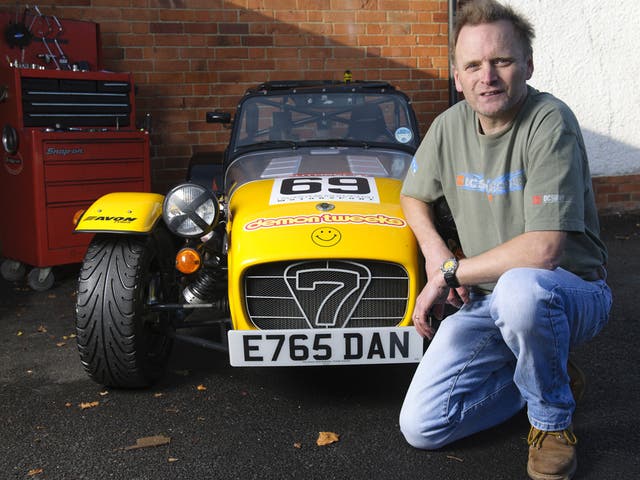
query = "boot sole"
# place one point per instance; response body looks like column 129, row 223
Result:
column 550, row 476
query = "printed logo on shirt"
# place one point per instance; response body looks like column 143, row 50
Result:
column 511, row 182
column 414, row 166
column 548, row 198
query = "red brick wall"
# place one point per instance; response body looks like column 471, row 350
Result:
column 617, row 194
column 192, row 56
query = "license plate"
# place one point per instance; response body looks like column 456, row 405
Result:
column 318, row 347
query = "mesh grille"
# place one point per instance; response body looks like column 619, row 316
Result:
column 326, row 294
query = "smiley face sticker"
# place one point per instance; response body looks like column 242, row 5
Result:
column 326, row 236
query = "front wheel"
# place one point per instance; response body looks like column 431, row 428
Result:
column 121, row 341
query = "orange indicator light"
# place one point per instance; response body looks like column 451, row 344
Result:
column 188, row 260
column 76, row 217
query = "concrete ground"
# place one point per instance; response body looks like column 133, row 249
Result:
column 224, row 422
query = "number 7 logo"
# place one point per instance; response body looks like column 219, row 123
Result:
column 327, row 294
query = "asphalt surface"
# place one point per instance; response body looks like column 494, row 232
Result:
column 226, row 423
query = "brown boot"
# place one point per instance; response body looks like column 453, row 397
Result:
column 552, row 455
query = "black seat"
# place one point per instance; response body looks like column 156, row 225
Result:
column 282, row 125
column 367, row 123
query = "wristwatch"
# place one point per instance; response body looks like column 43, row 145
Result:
column 449, row 268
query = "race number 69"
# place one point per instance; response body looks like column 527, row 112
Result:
column 335, row 185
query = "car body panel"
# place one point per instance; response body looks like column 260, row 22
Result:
column 262, row 233
column 125, row 212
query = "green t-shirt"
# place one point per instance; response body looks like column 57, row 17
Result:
column 533, row 176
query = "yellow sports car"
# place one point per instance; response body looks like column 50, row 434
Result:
column 295, row 242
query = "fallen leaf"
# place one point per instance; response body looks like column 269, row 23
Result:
column 68, row 404
column 42, row 329
column 172, row 459
column 29, row 372
column 158, row 395
column 85, row 405
column 104, row 393
column 201, row 388
column 19, row 333
column 297, row 445
column 35, row 471
column 327, row 438
column 60, row 344
column 147, row 442
column 457, row 459
column 171, row 410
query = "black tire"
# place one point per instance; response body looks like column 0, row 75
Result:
column 121, row 342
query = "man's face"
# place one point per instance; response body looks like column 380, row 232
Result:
column 491, row 69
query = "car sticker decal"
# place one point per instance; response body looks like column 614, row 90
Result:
column 326, row 236
column 404, row 135
column 330, row 218
column 324, row 189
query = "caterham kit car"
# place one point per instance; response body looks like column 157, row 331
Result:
column 295, row 243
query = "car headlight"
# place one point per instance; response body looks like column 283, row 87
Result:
column 191, row 210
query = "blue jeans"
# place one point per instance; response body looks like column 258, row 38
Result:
column 501, row 352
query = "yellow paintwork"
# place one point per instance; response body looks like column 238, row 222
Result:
column 261, row 233
column 130, row 212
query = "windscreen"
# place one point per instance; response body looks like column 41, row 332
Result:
column 300, row 117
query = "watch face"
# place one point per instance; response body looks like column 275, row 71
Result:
column 449, row 265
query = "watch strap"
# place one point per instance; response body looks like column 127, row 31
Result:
column 449, row 268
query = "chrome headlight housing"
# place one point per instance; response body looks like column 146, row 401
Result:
column 191, row 210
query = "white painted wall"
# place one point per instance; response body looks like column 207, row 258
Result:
column 587, row 53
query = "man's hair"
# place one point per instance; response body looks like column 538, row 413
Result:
column 478, row 12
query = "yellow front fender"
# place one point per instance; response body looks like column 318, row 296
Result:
column 125, row 212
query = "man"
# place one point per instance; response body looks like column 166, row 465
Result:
column 511, row 163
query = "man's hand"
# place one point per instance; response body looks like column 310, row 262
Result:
column 432, row 300
column 430, row 296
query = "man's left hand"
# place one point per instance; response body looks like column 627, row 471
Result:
column 432, row 298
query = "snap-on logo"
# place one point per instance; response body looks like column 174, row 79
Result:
column 95, row 218
column 65, row 151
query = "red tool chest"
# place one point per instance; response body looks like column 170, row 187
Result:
column 68, row 137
